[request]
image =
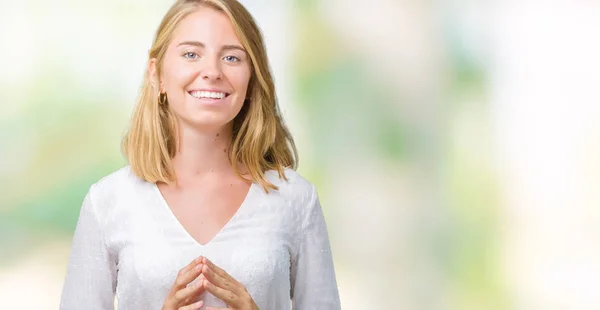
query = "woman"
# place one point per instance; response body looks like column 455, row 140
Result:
column 209, row 213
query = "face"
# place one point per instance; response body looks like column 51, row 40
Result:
column 206, row 70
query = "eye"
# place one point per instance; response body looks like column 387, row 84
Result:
column 231, row 59
column 190, row 55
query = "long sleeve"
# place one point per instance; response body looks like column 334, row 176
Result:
column 91, row 273
column 313, row 280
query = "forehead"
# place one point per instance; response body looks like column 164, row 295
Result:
column 206, row 25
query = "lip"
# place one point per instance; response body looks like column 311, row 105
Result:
column 214, row 90
column 209, row 101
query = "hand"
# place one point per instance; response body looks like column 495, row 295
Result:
column 181, row 294
column 225, row 287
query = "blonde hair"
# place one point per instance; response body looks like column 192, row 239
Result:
column 260, row 139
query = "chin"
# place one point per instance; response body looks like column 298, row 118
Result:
column 212, row 122
column 206, row 118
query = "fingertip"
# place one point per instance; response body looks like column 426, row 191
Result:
column 199, row 304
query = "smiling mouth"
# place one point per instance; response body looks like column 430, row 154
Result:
column 208, row 95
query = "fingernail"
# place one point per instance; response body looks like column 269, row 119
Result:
column 198, row 268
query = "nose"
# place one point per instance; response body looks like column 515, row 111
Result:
column 210, row 69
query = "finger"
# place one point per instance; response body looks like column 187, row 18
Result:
column 228, row 284
column 229, row 297
column 213, row 308
column 192, row 264
column 184, row 295
column 194, row 306
column 185, row 278
column 201, row 290
column 186, row 270
column 216, row 268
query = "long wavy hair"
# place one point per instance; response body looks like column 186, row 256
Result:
column 260, row 139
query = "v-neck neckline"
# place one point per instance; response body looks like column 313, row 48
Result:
column 165, row 205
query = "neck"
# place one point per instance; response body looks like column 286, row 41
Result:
column 200, row 154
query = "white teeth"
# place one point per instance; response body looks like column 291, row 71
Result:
column 207, row 94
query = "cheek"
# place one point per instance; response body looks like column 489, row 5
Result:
column 176, row 75
column 239, row 80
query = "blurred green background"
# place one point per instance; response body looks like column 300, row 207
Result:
column 454, row 144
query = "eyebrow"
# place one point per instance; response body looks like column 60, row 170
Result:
column 223, row 48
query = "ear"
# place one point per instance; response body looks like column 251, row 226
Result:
column 153, row 74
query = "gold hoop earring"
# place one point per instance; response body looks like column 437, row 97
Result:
column 162, row 98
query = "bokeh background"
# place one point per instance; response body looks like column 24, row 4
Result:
column 455, row 144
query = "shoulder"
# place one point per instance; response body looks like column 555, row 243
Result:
column 292, row 187
column 109, row 188
column 297, row 198
column 115, row 180
column 291, row 184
